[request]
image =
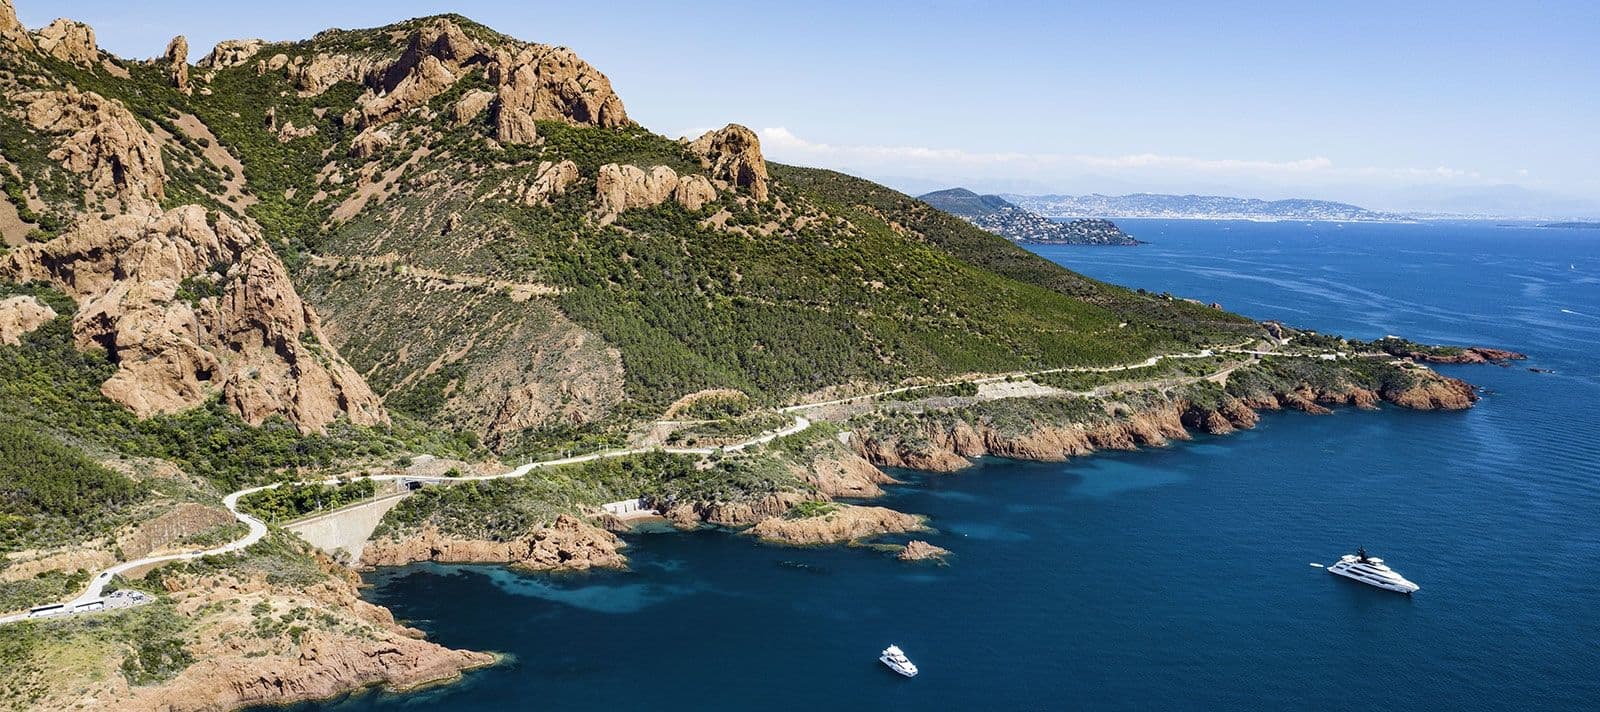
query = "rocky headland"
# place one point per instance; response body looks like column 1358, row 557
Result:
column 567, row 544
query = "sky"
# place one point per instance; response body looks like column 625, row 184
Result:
column 1402, row 106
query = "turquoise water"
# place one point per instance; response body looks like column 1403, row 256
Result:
column 1174, row 578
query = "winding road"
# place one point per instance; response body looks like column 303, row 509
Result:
column 258, row 528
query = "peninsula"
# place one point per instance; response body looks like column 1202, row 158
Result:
column 995, row 214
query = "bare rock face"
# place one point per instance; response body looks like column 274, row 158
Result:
column 311, row 78
column 471, row 106
column 567, row 544
column 175, row 60
column 258, row 342
column 20, row 315
column 552, row 83
column 847, row 523
column 425, row 80
column 919, row 550
column 1433, row 391
column 100, row 140
column 11, row 30
column 733, row 154
column 370, row 142
column 550, row 179
column 694, row 192
column 624, row 187
column 238, row 665
column 231, row 53
column 69, row 41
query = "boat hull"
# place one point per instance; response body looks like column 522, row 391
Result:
column 1402, row 586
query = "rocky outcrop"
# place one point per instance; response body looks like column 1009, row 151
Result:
column 231, row 53
column 257, row 342
column 842, row 473
column 175, row 62
column 844, row 524
column 69, row 41
column 694, row 192
column 370, row 142
column 344, row 644
column 567, row 544
column 919, row 550
column 550, row 179
column 693, row 515
column 1431, row 391
column 619, row 188
column 1468, row 355
column 942, row 442
column 470, row 106
column 12, row 32
column 99, row 139
column 550, row 83
column 20, row 315
column 733, row 154
column 317, row 75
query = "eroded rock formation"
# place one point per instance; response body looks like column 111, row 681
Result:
column 11, row 30
column 69, row 41
column 257, row 342
column 733, row 154
column 20, row 315
column 624, row 187
column 847, row 523
column 919, row 550
column 550, row 179
column 567, row 544
column 231, row 53
column 175, row 62
column 99, row 139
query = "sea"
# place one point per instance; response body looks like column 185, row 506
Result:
column 1171, row 578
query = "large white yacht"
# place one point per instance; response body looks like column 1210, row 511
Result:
column 897, row 661
column 1372, row 571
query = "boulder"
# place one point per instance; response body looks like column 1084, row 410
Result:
column 624, row 187
column 733, row 154
column 231, row 53
column 69, row 41
column 694, row 192
column 20, row 315
column 550, row 180
column 919, row 550
column 470, row 106
column 370, row 142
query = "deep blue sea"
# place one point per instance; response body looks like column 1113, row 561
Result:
column 1172, row 578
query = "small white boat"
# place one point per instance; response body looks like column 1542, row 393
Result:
column 897, row 661
column 1372, row 571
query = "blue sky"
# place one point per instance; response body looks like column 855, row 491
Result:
column 1386, row 104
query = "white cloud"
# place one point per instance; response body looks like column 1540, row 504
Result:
column 783, row 144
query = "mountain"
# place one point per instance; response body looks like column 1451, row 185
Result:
column 1209, row 207
column 299, row 275
column 999, row 216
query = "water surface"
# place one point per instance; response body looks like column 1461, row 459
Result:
column 1174, row 578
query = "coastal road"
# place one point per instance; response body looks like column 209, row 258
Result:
column 258, row 529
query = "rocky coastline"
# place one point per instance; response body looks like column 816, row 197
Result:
column 567, row 544
column 950, row 440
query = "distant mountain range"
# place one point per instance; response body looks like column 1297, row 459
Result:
column 1210, row 207
column 1001, row 217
